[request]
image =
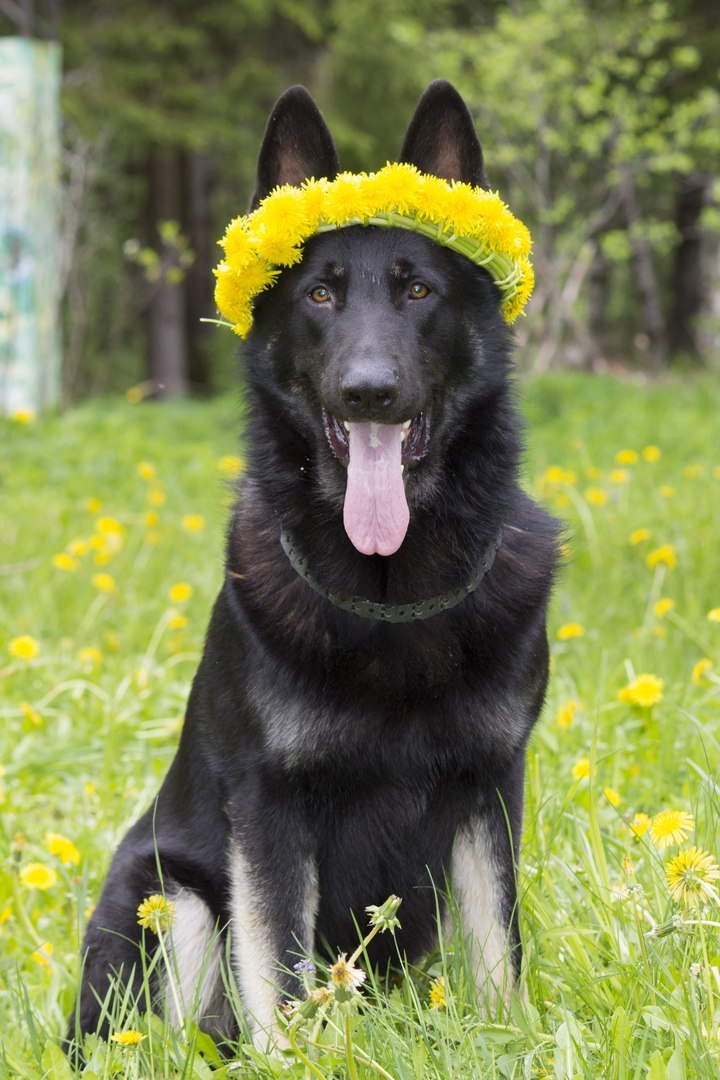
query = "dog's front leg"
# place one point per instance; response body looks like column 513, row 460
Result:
column 273, row 904
column 483, row 875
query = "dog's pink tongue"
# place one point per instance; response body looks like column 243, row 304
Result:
column 376, row 511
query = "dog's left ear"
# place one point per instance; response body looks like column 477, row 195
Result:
column 441, row 137
column 297, row 145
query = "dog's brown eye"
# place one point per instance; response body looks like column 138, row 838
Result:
column 418, row 290
column 320, row 294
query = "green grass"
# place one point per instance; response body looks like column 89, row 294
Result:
column 85, row 740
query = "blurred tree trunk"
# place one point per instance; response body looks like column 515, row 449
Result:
column 598, row 298
column 652, row 313
column 688, row 283
column 199, row 304
column 167, row 352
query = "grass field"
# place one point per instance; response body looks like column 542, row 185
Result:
column 110, row 556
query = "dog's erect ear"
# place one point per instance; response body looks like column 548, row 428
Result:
column 296, row 145
column 441, row 137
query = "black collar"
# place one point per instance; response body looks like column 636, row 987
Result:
column 393, row 613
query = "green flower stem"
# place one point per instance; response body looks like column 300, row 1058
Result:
column 361, row 1056
column 364, row 943
column 352, row 1068
column 171, row 976
column 291, row 1033
column 21, row 914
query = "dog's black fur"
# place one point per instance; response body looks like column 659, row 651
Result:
column 327, row 761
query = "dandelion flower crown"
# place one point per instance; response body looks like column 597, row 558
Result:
column 470, row 220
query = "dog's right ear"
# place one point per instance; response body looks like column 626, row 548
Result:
column 441, row 137
column 297, row 145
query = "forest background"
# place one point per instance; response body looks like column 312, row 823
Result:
column 599, row 123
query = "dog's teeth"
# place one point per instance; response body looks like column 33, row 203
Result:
column 407, row 424
column 346, row 425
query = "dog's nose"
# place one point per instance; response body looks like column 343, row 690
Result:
column 369, row 392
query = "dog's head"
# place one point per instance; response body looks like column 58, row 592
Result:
column 382, row 344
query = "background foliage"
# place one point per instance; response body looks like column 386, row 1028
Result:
column 599, row 123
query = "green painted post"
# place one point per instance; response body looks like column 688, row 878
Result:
column 29, row 235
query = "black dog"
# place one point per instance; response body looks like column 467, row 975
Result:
column 357, row 726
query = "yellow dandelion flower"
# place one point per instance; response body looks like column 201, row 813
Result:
column 652, row 453
column 569, row 631
column 436, row 998
column 89, row 788
column 89, row 656
column 690, row 876
column 671, row 827
column 193, row 522
column 565, row 551
column 313, row 196
column 177, row 622
column 644, row 690
column 156, row 913
column 612, row 796
column 275, row 248
column 77, row 548
column 231, row 465
column 23, row 416
column 349, row 198
column 662, row 556
column 129, row 1037
column 64, row 848
column 281, row 217
column 396, row 187
column 556, row 475
column 104, row 582
column 692, row 472
column 639, row 536
column 565, row 716
column 524, row 287
column 561, row 500
column 662, row 606
column 714, row 615
column 581, row 769
column 134, row 395
column 24, row 647
column 156, row 496
column 626, row 457
column 619, row 476
column 667, row 491
column 469, row 208
column 239, row 250
column 38, row 876
column 595, row 496
column 93, row 506
column 6, row 914
column 700, row 670
column 109, row 526
column 31, row 714
column 434, row 198
column 146, row 470
column 640, row 824
column 151, row 518
column 180, row 592
column 42, row 955
column 64, row 561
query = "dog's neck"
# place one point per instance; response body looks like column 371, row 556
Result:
column 394, row 613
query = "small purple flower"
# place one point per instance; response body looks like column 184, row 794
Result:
column 304, row 967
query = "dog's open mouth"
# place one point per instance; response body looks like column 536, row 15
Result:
column 377, row 457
